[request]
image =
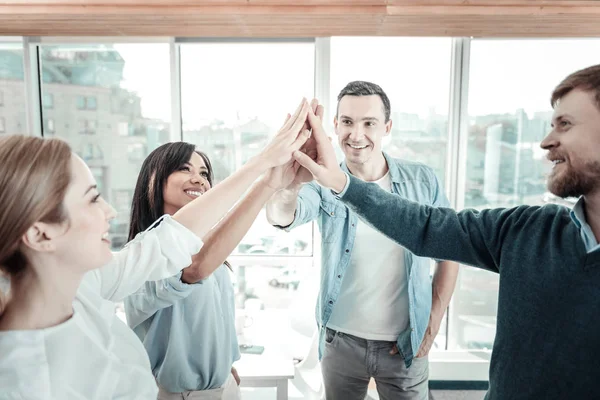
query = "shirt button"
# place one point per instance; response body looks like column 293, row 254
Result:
column 347, row 251
column 352, row 224
column 332, row 213
column 339, row 276
column 330, row 301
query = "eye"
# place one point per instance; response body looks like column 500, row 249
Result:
column 184, row 168
column 346, row 122
column 370, row 123
column 96, row 198
column 204, row 174
column 564, row 123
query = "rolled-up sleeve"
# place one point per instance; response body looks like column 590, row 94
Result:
column 307, row 207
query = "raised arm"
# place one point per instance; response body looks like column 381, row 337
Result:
column 222, row 197
column 166, row 248
column 228, row 233
column 470, row 237
column 283, row 206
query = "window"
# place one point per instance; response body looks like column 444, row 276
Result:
column 92, row 78
column 418, row 87
column 48, row 100
column 81, row 102
column 232, row 122
column 91, row 103
column 49, row 125
column 235, row 97
column 87, row 127
column 509, row 114
column 13, row 115
column 86, row 102
column 136, row 153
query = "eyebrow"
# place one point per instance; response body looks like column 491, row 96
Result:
column 362, row 119
column 563, row 116
column 201, row 168
column 90, row 188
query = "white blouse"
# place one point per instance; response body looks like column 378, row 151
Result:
column 94, row 355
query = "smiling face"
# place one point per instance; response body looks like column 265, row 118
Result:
column 360, row 126
column 574, row 145
column 187, row 183
column 82, row 239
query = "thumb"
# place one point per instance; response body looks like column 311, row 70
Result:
column 307, row 163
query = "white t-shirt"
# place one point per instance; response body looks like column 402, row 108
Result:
column 373, row 299
column 94, row 355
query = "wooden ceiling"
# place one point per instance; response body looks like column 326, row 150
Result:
column 310, row 18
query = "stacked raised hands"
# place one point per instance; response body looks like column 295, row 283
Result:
column 317, row 156
column 291, row 137
column 292, row 175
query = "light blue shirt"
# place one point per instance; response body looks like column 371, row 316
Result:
column 187, row 330
column 337, row 224
column 585, row 230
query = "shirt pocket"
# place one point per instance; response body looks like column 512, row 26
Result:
column 334, row 216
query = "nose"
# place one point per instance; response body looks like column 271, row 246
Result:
column 549, row 141
column 109, row 211
column 201, row 180
column 356, row 134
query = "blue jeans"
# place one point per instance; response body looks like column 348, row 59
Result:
column 349, row 363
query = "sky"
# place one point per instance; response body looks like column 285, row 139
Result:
column 232, row 81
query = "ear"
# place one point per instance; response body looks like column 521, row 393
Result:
column 335, row 124
column 39, row 237
column 388, row 127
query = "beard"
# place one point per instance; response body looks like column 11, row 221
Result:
column 575, row 182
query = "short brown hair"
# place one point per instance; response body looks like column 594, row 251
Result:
column 34, row 176
column 587, row 79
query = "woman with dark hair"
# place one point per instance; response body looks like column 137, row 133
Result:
column 59, row 335
column 187, row 322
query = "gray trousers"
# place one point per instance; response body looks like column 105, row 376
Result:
column 349, row 362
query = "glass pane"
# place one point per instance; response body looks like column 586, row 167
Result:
column 418, row 87
column 13, row 101
column 232, row 106
column 509, row 114
column 112, row 109
column 275, row 307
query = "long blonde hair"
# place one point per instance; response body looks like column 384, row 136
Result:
column 34, row 176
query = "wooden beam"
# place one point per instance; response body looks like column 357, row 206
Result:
column 277, row 18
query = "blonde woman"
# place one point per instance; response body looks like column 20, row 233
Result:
column 59, row 336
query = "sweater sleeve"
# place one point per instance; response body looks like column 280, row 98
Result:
column 469, row 237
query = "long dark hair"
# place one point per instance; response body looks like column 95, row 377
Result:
column 148, row 203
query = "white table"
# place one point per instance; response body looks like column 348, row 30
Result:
column 259, row 371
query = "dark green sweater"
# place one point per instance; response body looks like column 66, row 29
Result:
column 547, row 342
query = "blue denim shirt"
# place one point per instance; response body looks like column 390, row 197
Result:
column 411, row 180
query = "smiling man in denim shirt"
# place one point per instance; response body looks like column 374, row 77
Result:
column 375, row 310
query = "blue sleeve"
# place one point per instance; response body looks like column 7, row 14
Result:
column 438, row 198
column 154, row 296
column 308, row 206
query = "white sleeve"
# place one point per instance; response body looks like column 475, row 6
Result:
column 159, row 252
